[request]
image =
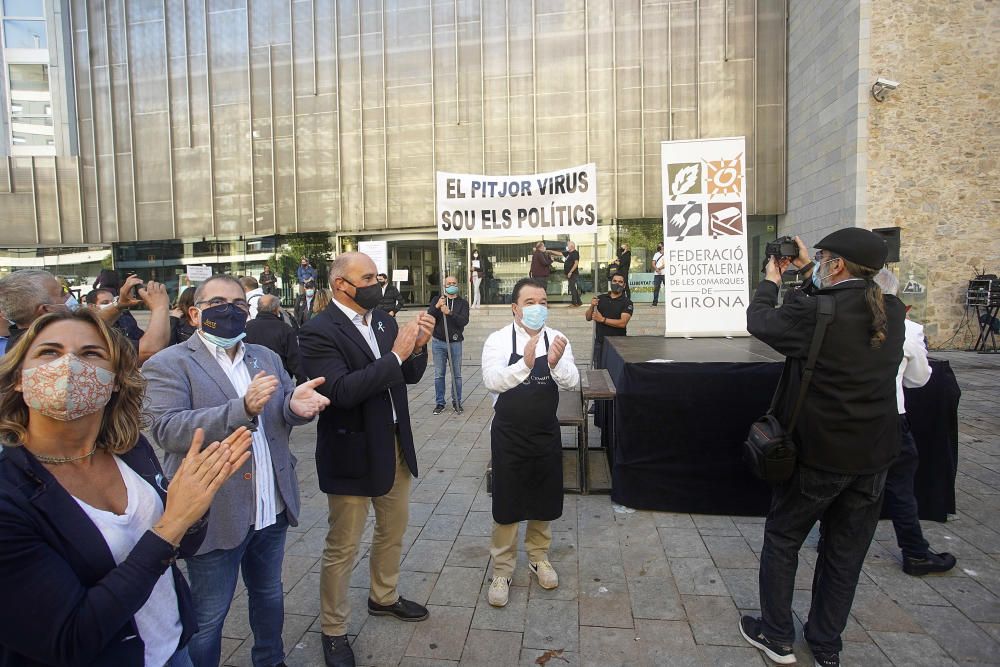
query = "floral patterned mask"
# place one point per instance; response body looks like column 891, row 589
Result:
column 67, row 388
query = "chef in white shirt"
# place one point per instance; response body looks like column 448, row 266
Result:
column 524, row 366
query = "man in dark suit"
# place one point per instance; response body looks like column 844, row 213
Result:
column 304, row 302
column 364, row 445
column 391, row 301
column 269, row 330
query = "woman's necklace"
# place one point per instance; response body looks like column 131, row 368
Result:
column 57, row 460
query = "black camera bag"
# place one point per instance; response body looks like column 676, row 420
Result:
column 769, row 449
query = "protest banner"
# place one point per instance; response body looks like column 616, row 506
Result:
column 558, row 202
column 705, row 239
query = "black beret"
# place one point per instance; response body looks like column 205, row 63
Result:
column 857, row 245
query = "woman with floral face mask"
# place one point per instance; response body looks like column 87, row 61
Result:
column 90, row 536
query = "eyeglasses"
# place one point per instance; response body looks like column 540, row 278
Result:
column 219, row 301
column 818, row 257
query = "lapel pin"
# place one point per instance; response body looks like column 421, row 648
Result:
column 380, row 328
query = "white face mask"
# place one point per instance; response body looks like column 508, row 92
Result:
column 105, row 306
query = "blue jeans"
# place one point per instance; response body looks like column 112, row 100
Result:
column 439, row 348
column 849, row 507
column 213, row 581
column 900, row 503
column 180, row 659
column 657, row 284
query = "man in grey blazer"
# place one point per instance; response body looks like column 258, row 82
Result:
column 216, row 382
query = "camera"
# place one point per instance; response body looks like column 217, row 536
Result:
column 784, row 246
column 135, row 288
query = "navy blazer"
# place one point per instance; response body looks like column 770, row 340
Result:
column 65, row 600
column 355, row 437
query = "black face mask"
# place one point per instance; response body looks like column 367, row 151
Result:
column 616, row 288
column 366, row 297
column 224, row 321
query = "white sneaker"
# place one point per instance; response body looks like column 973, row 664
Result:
column 547, row 577
column 499, row 591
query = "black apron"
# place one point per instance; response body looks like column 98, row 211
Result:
column 527, row 447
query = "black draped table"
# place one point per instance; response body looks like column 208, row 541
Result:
column 683, row 409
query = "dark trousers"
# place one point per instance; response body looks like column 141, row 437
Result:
column 574, row 290
column 849, row 506
column 900, row 502
column 657, row 284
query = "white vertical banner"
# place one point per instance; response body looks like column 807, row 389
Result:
column 378, row 251
column 705, row 237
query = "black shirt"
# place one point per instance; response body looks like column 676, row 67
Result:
column 613, row 310
column 572, row 257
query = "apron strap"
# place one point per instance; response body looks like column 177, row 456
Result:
column 513, row 339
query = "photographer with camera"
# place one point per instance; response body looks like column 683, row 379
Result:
column 846, row 432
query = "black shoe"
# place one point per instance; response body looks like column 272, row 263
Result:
column 404, row 610
column 781, row 654
column 337, row 652
column 438, row 409
column 457, row 408
column 930, row 563
column 827, row 659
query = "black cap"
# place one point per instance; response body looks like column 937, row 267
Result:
column 857, row 245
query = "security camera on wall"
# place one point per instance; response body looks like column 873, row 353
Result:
column 882, row 87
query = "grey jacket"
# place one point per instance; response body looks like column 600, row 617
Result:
column 187, row 390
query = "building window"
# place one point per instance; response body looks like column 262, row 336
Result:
column 30, row 108
column 30, row 8
column 22, row 34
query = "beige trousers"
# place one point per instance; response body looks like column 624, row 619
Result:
column 503, row 548
column 347, row 522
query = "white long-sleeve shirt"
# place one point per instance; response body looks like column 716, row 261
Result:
column 498, row 376
column 914, row 369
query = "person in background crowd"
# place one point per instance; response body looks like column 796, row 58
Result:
column 181, row 325
column 611, row 312
column 320, row 302
column 525, row 364
column 847, row 434
column 70, row 300
column 268, row 281
column 304, row 303
column 154, row 295
column 216, row 382
column 110, row 280
column 253, row 292
column 90, row 534
column 269, row 330
column 305, row 273
column 364, row 446
column 453, row 310
column 476, row 276
column 3, row 332
column 541, row 263
column 901, row 504
column 571, row 266
column 622, row 264
column 659, row 273
column 391, row 301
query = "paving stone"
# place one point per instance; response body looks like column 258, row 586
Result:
column 563, row 548
column 655, row 598
column 470, row 551
column 672, row 520
column 419, row 513
column 743, row 585
column 442, row 527
column 441, row 636
column 863, row 653
column 383, row 641
column 487, row 648
column 569, row 583
column 294, row 628
column 608, row 647
column 697, row 576
column 645, row 560
column 956, row 634
column 715, row 525
column 876, row 612
column 427, row 493
column 427, row 555
column 478, row 524
column 552, row 624
column 966, row 594
column 605, row 604
column 731, row 656
column 601, row 564
column 557, row 657
column 682, row 543
column 426, row 662
column 901, row 587
column 916, row 650
column 457, row 586
column 729, row 551
column 455, row 503
column 509, row 618
column 714, row 620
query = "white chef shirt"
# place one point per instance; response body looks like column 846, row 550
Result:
column 498, row 376
column 361, row 322
column 268, row 500
column 914, row 369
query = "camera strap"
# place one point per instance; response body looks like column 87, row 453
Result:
column 825, row 309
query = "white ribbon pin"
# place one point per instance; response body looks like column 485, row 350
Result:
column 380, row 328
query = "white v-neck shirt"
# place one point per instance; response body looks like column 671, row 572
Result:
column 159, row 620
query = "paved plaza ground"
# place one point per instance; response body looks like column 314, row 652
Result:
column 646, row 588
